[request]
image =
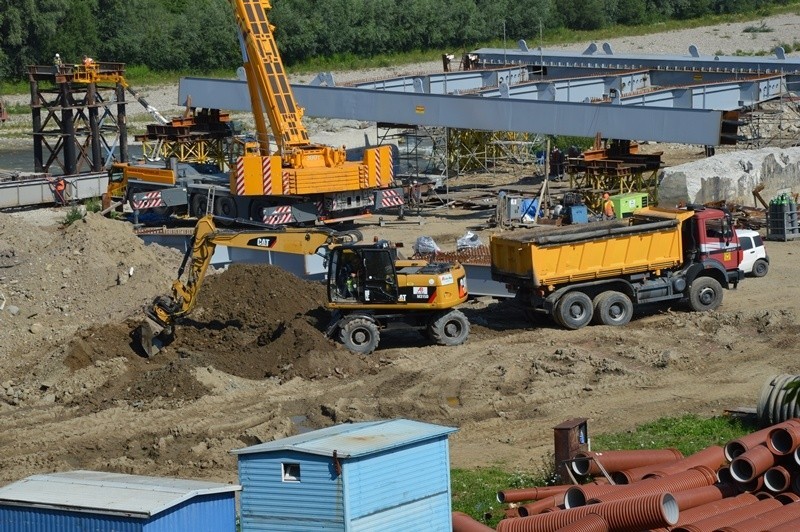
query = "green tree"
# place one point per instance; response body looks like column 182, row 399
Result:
column 694, row 8
column 28, row 28
column 631, row 12
column 78, row 32
column 298, row 26
column 583, row 14
column 372, row 32
column 207, row 33
column 736, row 6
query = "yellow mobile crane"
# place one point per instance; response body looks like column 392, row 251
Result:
column 301, row 182
column 369, row 288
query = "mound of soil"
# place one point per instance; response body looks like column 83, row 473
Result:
column 259, row 321
column 252, row 321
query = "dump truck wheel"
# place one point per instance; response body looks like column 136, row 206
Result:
column 574, row 310
column 556, row 318
column 760, row 268
column 596, row 302
column 615, row 308
column 705, row 294
column 451, row 328
column 360, row 335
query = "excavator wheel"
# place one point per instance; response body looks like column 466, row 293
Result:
column 360, row 335
column 449, row 328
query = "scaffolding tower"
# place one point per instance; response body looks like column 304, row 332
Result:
column 616, row 167
column 75, row 128
column 434, row 154
column 203, row 136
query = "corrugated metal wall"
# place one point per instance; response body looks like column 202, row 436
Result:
column 205, row 513
column 209, row 513
column 268, row 503
column 386, row 480
column 23, row 519
column 431, row 514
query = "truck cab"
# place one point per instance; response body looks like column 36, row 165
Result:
column 717, row 240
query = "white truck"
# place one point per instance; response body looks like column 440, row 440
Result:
column 755, row 260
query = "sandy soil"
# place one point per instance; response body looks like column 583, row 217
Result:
column 251, row 364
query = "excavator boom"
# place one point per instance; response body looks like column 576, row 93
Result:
column 160, row 317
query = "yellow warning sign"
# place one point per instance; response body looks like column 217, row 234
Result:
column 420, row 109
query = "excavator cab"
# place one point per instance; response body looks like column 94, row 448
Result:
column 362, row 274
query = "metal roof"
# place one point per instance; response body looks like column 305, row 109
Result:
column 354, row 439
column 107, row 493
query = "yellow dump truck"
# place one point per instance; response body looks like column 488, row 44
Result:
column 599, row 272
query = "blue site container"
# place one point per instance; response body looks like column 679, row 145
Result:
column 370, row 476
column 113, row 502
column 528, row 207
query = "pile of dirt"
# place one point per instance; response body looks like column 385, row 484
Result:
column 56, row 280
column 251, row 321
column 259, row 321
column 74, row 296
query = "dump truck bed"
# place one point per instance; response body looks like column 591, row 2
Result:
column 650, row 241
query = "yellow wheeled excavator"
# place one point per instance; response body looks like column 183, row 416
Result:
column 369, row 288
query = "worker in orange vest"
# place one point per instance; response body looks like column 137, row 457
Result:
column 608, row 208
column 60, row 188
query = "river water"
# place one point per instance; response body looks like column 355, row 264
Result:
column 16, row 159
column 21, row 159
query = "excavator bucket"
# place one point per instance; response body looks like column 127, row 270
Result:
column 149, row 337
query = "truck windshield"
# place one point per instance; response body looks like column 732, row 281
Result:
column 718, row 229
